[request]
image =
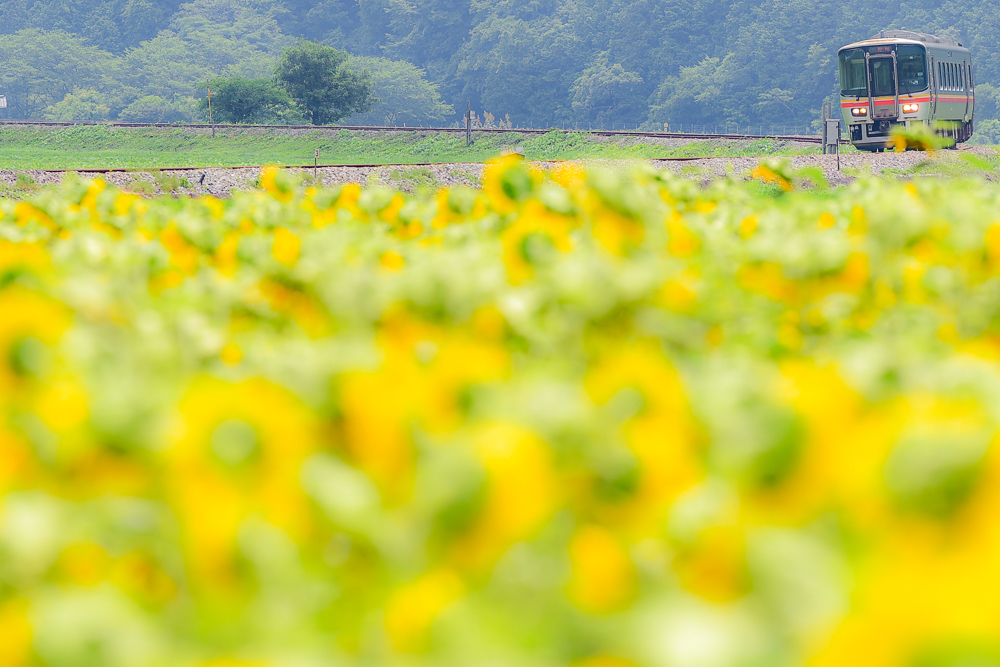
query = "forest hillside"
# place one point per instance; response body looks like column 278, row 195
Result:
column 602, row 63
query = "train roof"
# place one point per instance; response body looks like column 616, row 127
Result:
column 905, row 36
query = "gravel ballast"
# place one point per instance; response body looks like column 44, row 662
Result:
column 222, row 182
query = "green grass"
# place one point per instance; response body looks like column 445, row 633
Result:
column 101, row 146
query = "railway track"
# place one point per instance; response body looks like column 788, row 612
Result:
column 138, row 170
column 812, row 139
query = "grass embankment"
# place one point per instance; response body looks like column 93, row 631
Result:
column 98, row 146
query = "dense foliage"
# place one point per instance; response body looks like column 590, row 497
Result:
column 318, row 79
column 239, row 100
column 568, row 420
column 608, row 62
column 161, row 79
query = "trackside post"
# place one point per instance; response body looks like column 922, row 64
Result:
column 831, row 137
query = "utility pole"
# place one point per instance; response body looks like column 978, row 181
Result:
column 468, row 124
column 823, row 113
column 210, row 121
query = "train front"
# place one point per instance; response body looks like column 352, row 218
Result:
column 883, row 83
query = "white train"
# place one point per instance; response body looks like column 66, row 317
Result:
column 902, row 77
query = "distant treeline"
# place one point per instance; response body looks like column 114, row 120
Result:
column 543, row 62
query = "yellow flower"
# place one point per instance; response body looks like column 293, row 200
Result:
column 678, row 295
column 89, row 201
column 748, row 226
column 225, row 259
column 17, row 633
column 18, row 257
column 183, row 255
column 236, row 451
column 859, row 222
column 17, row 462
column 85, row 563
column 27, row 319
column 276, row 183
column 570, row 175
column 661, row 435
column 348, row 201
column 215, row 207
column 231, row 354
column 993, row 245
column 390, row 213
column 507, row 183
column 528, row 240
column 25, row 213
column 413, row 608
column 523, row 493
column 767, row 278
column 768, row 175
column 392, row 261
column 714, row 565
column 302, row 307
column 61, row 404
column 126, row 201
column 616, row 232
column 682, row 241
column 286, row 247
column 604, row 578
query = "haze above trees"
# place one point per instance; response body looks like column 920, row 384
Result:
column 603, row 63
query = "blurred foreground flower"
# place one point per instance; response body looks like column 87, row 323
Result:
column 572, row 420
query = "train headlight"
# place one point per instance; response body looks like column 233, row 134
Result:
column 860, row 111
column 911, row 108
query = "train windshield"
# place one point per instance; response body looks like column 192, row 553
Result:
column 852, row 73
column 912, row 68
column 883, row 77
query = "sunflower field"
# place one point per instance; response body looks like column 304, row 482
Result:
column 569, row 420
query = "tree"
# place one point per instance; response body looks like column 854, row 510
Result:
column 520, row 67
column 38, row 69
column 404, row 94
column 321, row 83
column 240, row 100
column 607, row 94
column 81, row 104
column 155, row 109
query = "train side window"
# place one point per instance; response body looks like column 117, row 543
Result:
column 941, row 82
column 911, row 63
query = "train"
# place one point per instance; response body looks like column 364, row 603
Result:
column 900, row 77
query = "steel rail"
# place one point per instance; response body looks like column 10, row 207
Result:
column 146, row 170
column 812, row 139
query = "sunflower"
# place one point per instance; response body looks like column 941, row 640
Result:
column 236, row 452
